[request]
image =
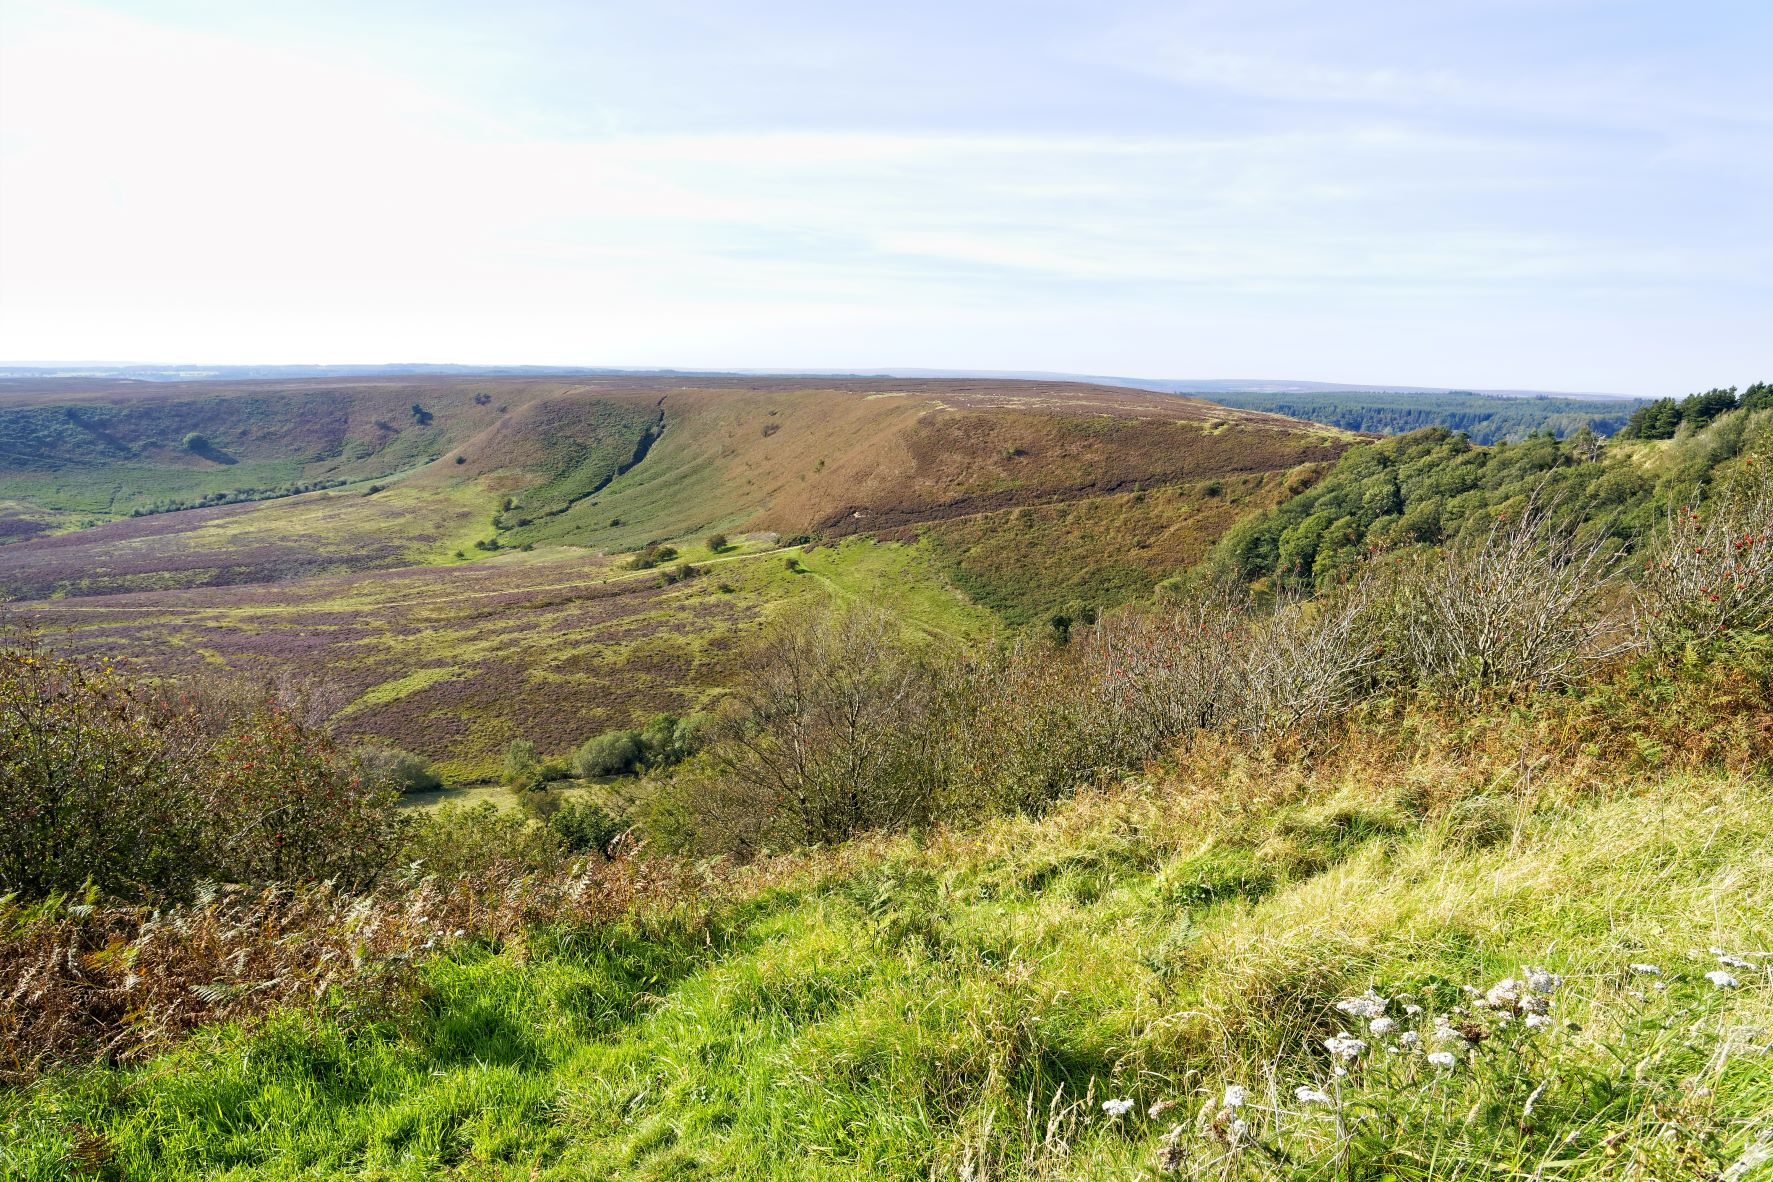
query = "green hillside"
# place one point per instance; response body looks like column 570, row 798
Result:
column 1432, row 486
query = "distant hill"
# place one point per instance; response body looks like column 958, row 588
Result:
column 1202, row 386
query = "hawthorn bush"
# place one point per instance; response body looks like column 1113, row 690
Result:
column 143, row 792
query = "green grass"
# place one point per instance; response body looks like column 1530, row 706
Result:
column 453, row 661
column 1100, row 552
column 115, row 489
column 908, row 1009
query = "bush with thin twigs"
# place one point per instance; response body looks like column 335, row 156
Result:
column 1712, row 572
column 830, row 731
column 1525, row 603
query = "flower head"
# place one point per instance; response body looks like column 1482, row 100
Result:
column 1648, row 969
column 1722, row 979
column 1367, row 1005
column 1117, row 1108
column 1504, row 994
column 1442, row 1059
column 1542, row 980
column 1235, row 1096
column 1381, row 1026
column 1344, row 1046
column 1311, row 1096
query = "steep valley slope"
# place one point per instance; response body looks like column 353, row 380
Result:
column 441, row 554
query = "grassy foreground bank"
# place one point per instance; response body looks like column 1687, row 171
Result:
column 1143, row 982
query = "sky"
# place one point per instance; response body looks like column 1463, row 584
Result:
column 1548, row 194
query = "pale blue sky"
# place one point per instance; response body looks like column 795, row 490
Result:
column 1567, row 194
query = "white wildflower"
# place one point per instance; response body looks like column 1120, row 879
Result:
column 1367, row 1005
column 1412, row 1010
column 1409, row 1038
column 1722, row 979
column 1311, row 1096
column 1735, row 962
column 1542, row 980
column 1537, row 1021
column 1235, row 1096
column 1647, row 969
column 1504, row 993
column 1117, row 1108
column 1444, row 1031
column 1381, row 1026
column 1344, row 1046
column 1443, row 1059
column 1240, row 1128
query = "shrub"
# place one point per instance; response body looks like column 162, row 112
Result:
column 401, row 770
column 1710, row 573
column 655, row 554
column 613, row 753
column 585, row 826
column 144, row 793
column 831, row 731
column 717, row 543
column 457, row 841
column 521, row 761
column 1522, row 603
